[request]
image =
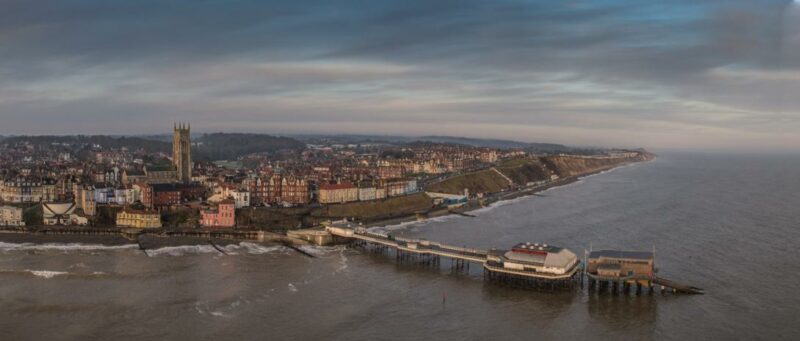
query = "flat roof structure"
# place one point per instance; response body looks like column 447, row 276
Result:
column 632, row 255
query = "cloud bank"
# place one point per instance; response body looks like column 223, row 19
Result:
column 685, row 74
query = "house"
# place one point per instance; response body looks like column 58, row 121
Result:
column 138, row 218
column 224, row 215
column 366, row 193
column 294, row 191
column 104, row 194
column 241, row 198
column 337, row 193
column 11, row 216
column 164, row 195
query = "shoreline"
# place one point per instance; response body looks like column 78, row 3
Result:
column 117, row 236
column 494, row 198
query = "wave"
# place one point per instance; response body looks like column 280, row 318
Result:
column 231, row 250
column 342, row 262
column 63, row 247
column 321, row 250
column 256, row 249
column 49, row 274
column 181, row 250
column 497, row 204
column 46, row 273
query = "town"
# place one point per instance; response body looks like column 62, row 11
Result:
column 50, row 182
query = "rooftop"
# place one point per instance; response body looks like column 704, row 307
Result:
column 638, row 255
column 529, row 247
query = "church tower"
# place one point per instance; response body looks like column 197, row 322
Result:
column 182, row 152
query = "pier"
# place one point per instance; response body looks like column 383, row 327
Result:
column 530, row 269
column 526, row 265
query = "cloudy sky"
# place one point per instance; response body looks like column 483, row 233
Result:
column 663, row 74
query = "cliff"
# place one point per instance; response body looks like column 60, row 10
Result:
column 569, row 165
column 523, row 171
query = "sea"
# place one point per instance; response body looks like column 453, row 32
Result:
column 729, row 224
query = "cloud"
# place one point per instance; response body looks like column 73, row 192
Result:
column 592, row 72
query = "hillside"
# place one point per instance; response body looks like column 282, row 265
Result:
column 483, row 181
column 271, row 218
column 211, row 147
column 79, row 142
column 541, row 148
column 522, row 171
column 566, row 166
column 230, row 146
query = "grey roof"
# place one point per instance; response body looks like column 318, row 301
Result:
column 609, row 266
column 640, row 255
column 526, row 257
column 538, row 247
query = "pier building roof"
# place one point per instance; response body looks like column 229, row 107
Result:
column 632, row 255
column 541, row 255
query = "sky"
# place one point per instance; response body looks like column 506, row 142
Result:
column 659, row 74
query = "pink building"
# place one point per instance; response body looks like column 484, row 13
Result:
column 223, row 216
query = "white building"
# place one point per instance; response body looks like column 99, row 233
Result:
column 366, row 193
column 11, row 216
column 241, row 198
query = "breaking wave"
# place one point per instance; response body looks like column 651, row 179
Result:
column 320, row 250
column 63, row 247
column 231, row 250
column 182, row 250
column 49, row 274
column 257, row 249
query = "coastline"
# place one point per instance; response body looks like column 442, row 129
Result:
column 149, row 240
column 495, row 198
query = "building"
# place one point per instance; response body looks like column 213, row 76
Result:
column 620, row 265
column 104, row 194
column 84, row 199
column 160, row 174
column 142, row 219
column 163, row 195
column 390, row 172
column 395, row 188
column 540, row 260
column 337, row 193
column 366, row 193
column 132, row 176
column 146, row 194
column 62, row 214
column 241, row 198
column 277, row 189
column 224, row 215
column 182, row 152
column 28, row 191
column 11, row 216
column 294, row 191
